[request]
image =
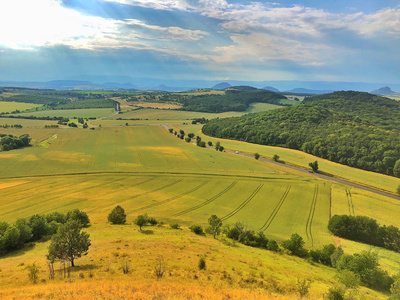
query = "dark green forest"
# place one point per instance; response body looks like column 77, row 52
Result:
column 10, row 142
column 234, row 99
column 352, row 128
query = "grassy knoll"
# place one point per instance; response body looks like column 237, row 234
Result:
column 300, row 158
column 7, row 107
column 70, row 113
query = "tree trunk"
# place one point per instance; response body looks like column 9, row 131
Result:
column 72, row 262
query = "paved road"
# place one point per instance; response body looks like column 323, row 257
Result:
column 344, row 182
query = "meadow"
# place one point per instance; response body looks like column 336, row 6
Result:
column 8, row 107
column 145, row 169
column 71, row 113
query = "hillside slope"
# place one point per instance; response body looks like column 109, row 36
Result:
column 356, row 129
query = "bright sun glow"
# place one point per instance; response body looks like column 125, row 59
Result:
column 27, row 23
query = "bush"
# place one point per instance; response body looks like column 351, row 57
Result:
column 276, row 157
column 33, row 272
column 335, row 293
column 202, row 264
column 295, row 245
column 197, row 229
column 256, row 155
column 349, row 279
column 117, row 215
column 272, row 245
column 174, row 226
column 152, row 221
column 303, row 287
column 80, row 216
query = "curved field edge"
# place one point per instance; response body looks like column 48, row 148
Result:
column 302, row 159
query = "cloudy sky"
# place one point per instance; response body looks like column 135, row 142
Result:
column 341, row 40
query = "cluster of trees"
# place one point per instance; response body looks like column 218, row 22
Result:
column 35, row 228
column 362, row 267
column 87, row 103
column 118, row 216
column 365, row 230
column 10, row 142
column 351, row 128
column 11, row 126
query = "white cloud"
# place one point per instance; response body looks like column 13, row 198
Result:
column 27, row 23
column 175, row 4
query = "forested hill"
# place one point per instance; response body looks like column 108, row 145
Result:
column 356, row 129
column 234, row 99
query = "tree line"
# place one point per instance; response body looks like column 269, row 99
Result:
column 351, row 128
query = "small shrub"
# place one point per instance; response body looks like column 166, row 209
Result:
column 33, row 272
column 81, row 275
column 256, row 155
column 349, row 279
column 335, row 293
column 159, row 267
column 276, row 157
column 303, row 287
column 202, row 264
column 272, row 245
column 125, row 267
column 141, row 220
column 174, row 226
column 152, row 221
column 196, row 228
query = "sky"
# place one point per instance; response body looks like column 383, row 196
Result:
column 223, row 40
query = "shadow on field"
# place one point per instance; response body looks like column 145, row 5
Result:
column 148, row 232
column 86, row 267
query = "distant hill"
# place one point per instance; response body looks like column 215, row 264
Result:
column 307, row 91
column 242, row 88
column 383, row 91
column 270, row 88
column 164, row 88
column 221, row 86
column 352, row 128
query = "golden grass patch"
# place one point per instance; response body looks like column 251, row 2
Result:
column 10, row 184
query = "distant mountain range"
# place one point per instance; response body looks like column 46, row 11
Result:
column 270, row 88
column 307, row 91
column 171, row 85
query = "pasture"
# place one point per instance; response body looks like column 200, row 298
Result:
column 72, row 113
column 8, row 107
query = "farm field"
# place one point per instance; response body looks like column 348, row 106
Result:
column 7, row 107
column 161, row 114
column 71, row 113
column 26, row 122
column 145, row 169
column 300, row 158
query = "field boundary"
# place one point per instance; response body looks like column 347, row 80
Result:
column 243, row 204
column 276, row 210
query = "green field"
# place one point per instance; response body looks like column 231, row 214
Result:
column 7, row 107
column 166, row 115
column 26, row 122
column 70, row 113
column 384, row 182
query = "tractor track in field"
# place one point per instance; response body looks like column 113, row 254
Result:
column 276, row 210
column 311, row 216
column 212, row 199
column 173, row 198
column 156, row 190
column 243, row 204
column 350, row 202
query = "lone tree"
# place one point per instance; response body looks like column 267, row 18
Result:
column 215, row 225
column 276, row 157
column 256, row 155
column 141, row 220
column 117, row 215
column 69, row 242
column 217, row 145
column 314, row 166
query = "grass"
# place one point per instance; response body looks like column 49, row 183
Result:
column 26, row 122
column 71, row 113
column 302, row 159
column 8, row 107
column 148, row 170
